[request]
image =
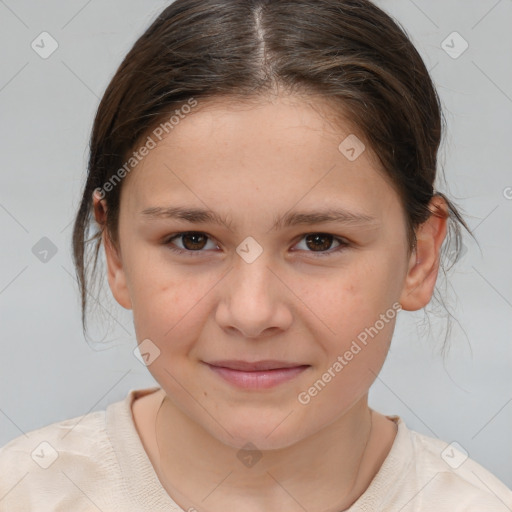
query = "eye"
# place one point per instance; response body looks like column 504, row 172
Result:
column 320, row 242
column 192, row 242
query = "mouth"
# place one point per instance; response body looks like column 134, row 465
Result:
column 258, row 374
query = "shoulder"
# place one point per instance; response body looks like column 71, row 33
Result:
column 59, row 462
column 445, row 475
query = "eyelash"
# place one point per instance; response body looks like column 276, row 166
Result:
column 316, row 254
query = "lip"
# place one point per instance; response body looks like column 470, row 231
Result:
column 268, row 364
column 258, row 374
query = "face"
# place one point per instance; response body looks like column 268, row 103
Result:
column 279, row 280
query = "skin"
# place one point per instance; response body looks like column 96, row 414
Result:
column 251, row 163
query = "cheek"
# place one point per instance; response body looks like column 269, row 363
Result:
column 169, row 305
column 166, row 321
column 352, row 358
column 355, row 313
column 346, row 300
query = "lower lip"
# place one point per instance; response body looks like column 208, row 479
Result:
column 259, row 379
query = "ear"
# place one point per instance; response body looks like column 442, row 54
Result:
column 424, row 261
column 115, row 272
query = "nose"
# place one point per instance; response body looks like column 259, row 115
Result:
column 254, row 301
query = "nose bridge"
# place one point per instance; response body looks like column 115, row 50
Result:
column 252, row 302
column 252, row 280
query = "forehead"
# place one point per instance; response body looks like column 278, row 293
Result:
column 275, row 153
column 278, row 121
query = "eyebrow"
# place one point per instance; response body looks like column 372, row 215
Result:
column 202, row 215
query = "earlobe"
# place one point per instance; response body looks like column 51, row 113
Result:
column 425, row 259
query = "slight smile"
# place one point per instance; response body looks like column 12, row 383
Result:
column 258, row 374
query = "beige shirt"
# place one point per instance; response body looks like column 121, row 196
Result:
column 97, row 463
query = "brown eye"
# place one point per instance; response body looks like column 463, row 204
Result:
column 319, row 241
column 192, row 242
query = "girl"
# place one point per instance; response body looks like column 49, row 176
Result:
column 261, row 173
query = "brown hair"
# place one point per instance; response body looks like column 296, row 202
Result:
column 349, row 52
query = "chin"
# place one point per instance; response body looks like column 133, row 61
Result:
column 265, row 433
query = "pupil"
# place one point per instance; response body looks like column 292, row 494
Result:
column 190, row 236
column 319, row 237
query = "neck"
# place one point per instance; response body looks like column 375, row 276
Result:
column 324, row 472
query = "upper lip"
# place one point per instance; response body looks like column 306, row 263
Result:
column 254, row 366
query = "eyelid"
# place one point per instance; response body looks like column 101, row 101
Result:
column 343, row 243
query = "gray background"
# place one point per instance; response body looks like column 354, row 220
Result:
column 48, row 372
